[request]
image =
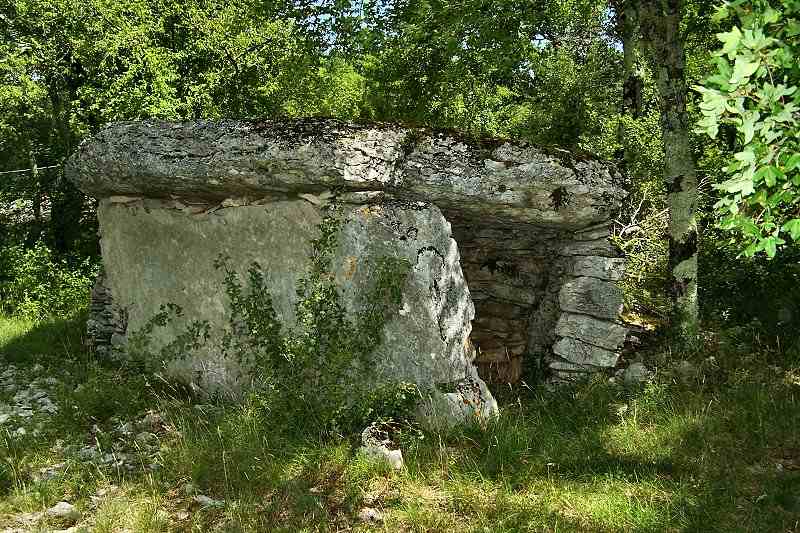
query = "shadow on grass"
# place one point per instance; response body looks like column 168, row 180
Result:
column 51, row 341
column 711, row 454
column 710, row 458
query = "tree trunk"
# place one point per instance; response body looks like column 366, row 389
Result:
column 35, row 231
column 627, row 12
column 629, row 31
column 660, row 20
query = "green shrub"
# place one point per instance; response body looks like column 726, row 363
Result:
column 318, row 371
column 34, row 284
column 740, row 291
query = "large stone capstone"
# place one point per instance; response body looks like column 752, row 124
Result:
column 519, row 230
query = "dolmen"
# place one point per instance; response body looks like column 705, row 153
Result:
column 507, row 244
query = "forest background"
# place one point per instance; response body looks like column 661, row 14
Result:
column 547, row 72
column 704, row 439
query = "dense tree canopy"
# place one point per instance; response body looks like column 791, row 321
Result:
column 550, row 71
column 754, row 91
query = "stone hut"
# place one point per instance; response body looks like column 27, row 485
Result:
column 519, row 230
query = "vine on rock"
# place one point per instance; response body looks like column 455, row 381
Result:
column 319, row 370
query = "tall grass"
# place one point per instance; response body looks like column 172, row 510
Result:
column 715, row 449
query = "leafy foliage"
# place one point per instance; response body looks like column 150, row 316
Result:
column 318, row 370
column 532, row 69
column 67, row 68
column 755, row 91
column 36, row 285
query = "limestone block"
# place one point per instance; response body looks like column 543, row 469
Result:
column 564, row 368
column 598, row 231
column 426, row 340
column 163, row 255
column 471, row 401
column 602, row 247
column 602, row 333
column 591, row 296
column 580, row 353
column 607, row 268
column 492, row 180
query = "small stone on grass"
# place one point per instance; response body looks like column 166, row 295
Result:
column 65, row 512
column 370, row 514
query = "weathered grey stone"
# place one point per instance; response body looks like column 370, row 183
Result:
column 602, row 333
column 106, row 322
column 471, row 402
column 497, row 181
column 64, row 512
column 581, row 353
column 565, row 369
column 607, row 268
column 526, row 219
column 154, row 256
column 591, row 296
column 602, row 247
column 635, row 373
column 375, row 445
column 541, row 328
column 592, row 233
column 425, row 339
column 370, row 514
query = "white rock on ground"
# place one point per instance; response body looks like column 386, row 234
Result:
column 376, row 446
column 393, row 458
column 64, row 511
column 636, row 373
column 370, row 514
column 206, row 501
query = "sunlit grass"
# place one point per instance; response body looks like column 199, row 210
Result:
column 718, row 451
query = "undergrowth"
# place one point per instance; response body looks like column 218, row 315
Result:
column 320, row 370
column 714, row 448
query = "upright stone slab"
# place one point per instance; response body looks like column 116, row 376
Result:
column 531, row 227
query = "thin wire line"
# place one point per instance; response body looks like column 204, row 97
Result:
column 27, row 169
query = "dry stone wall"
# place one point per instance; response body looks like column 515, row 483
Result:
column 530, row 228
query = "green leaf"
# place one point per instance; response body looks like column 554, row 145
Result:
column 743, row 69
column 723, row 66
column 770, row 245
column 751, row 250
column 730, row 40
column 746, row 156
column 793, row 162
column 769, row 174
column 793, row 227
column 720, row 14
column 749, row 227
column 740, row 184
column 771, row 16
column 749, row 125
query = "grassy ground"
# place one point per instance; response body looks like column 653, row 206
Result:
column 713, row 446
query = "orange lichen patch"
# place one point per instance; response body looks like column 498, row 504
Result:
column 350, row 265
column 370, row 211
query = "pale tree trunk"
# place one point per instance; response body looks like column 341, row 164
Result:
column 36, row 230
column 628, row 31
column 660, row 22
